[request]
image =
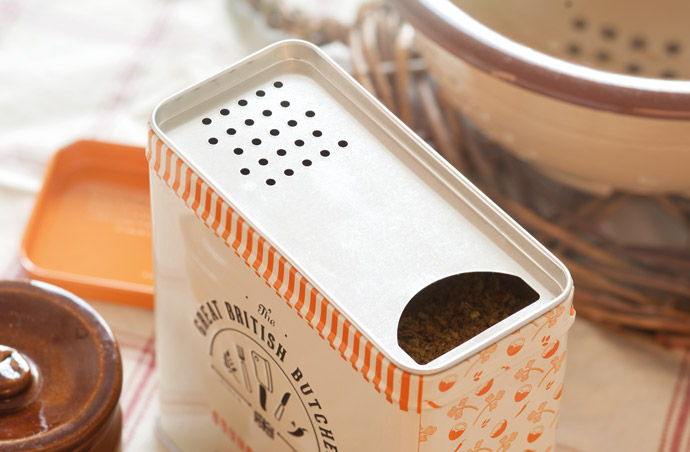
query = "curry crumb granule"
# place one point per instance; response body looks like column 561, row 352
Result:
column 455, row 309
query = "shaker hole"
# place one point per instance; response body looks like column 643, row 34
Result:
column 260, row 93
column 256, row 141
column 285, row 104
column 299, row 143
column 278, row 84
column 206, row 121
column 609, row 33
column 224, row 112
column 249, row 122
column 310, row 114
column 306, row 162
column 263, row 162
column 213, row 140
column 325, row 153
column 288, row 172
column 317, row 133
column 292, row 123
column 281, row 152
column 231, row 131
column 275, row 132
column 242, row 102
column 238, row 151
column 672, row 48
column 267, row 113
column 270, row 182
column 244, row 171
column 342, row 143
column 638, row 43
column 579, row 23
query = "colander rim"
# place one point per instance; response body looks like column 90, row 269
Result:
column 457, row 32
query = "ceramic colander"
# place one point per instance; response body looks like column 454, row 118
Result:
column 597, row 94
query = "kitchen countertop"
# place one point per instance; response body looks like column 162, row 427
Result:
column 79, row 69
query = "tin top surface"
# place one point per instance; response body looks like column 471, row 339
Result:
column 372, row 220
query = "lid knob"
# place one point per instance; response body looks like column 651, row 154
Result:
column 15, row 373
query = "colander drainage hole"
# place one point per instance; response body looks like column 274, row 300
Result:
column 306, row 162
column 278, row 84
column 275, row 132
column 603, row 56
column 256, row 141
column 242, row 103
column 638, row 43
column 673, row 48
column 317, row 133
column 267, row 113
column 260, row 93
column 609, row 33
column 206, row 121
column 299, row 143
column 281, row 152
column 238, row 151
column 288, row 172
column 231, row 131
column 270, row 182
column 579, row 23
column 245, row 171
column 263, row 162
column 633, row 68
column 292, row 123
column 224, row 112
column 285, row 104
column 213, row 140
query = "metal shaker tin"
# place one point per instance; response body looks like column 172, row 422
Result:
column 294, row 218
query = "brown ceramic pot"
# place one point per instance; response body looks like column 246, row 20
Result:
column 60, row 373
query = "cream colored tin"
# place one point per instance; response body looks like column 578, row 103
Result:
column 294, row 217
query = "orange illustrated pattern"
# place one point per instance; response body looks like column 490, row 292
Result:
column 506, row 397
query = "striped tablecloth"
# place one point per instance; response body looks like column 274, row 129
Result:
column 94, row 69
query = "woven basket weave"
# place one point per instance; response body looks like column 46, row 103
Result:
column 632, row 289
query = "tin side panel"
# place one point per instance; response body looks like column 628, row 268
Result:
column 356, row 202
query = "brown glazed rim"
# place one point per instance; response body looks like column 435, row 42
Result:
column 100, row 423
column 473, row 42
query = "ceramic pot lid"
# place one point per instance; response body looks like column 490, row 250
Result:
column 60, row 372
